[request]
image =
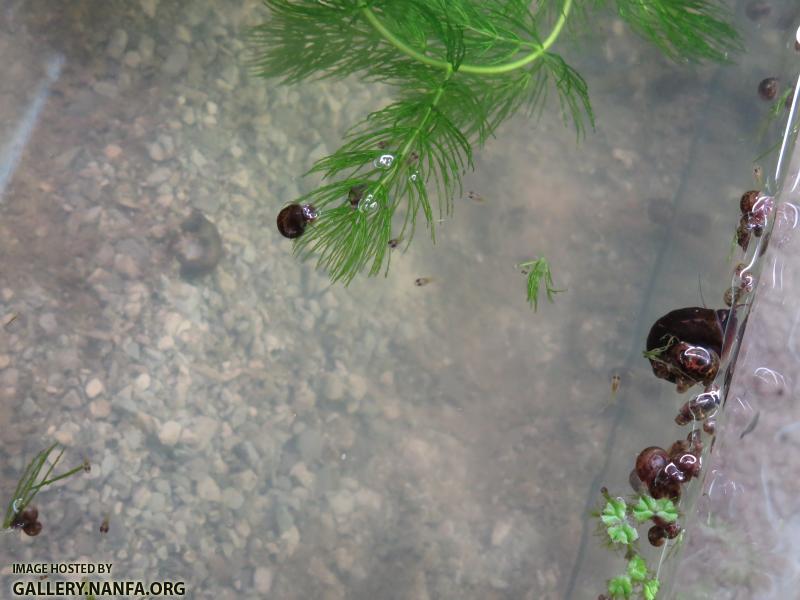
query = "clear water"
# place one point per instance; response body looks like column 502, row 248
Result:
column 259, row 433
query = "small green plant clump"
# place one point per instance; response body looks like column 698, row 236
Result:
column 458, row 68
column 30, row 483
column 538, row 272
column 619, row 520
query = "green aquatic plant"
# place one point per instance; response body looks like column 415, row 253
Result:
column 538, row 272
column 458, row 68
column 618, row 521
column 32, row 481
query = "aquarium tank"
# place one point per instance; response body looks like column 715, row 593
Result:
column 399, row 300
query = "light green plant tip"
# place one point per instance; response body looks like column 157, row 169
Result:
column 538, row 272
column 620, row 587
column 458, row 69
column 650, row 589
column 614, row 511
column 637, row 568
column 623, row 533
column 648, row 507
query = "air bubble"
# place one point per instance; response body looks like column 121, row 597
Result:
column 368, row 203
column 414, row 176
column 384, row 161
column 309, row 212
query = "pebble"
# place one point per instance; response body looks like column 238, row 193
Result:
column 48, row 323
column 132, row 59
column 100, row 409
column 309, row 445
column 109, row 464
column 247, row 453
column 291, row 540
column 94, row 388
column 177, row 60
column 202, row 431
column 283, row 518
column 149, row 7
column 208, row 489
column 158, row 502
column 241, row 178
column 146, row 48
column 112, row 151
column 303, row 476
column 117, row 44
column 342, row 503
column 170, row 433
column 232, row 498
column 141, row 497
column 126, row 266
column 66, row 434
column 500, row 532
column 183, row 34
column 262, row 580
column 142, row 382
column 131, row 348
column 156, row 152
column 5, row 360
column 9, row 378
column 357, row 384
column 158, row 176
column 332, row 386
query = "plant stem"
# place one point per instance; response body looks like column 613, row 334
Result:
column 400, row 158
column 467, row 68
column 62, row 476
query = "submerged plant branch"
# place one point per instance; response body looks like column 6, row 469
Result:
column 459, row 68
column 538, row 272
column 30, row 482
column 618, row 521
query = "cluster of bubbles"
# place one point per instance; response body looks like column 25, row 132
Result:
column 368, row 203
column 384, row 161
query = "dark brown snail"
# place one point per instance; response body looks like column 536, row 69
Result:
column 649, row 464
column 672, row 530
column 28, row 521
column 685, row 345
column 665, row 486
column 656, row 535
column 292, row 219
column 748, row 201
column 689, row 464
column 700, row 407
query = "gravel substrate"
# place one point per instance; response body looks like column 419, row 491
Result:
column 257, row 432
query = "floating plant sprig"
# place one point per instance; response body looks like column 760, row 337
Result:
column 538, row 272
column 32, row 481
column 459, row 68
column 619, row 519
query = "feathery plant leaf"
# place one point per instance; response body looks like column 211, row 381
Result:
column 459, row 69
column 682, row 29
column 538, row 272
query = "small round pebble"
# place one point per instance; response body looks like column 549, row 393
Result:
column 94, row 388
column 262, row 580
column 170, row 433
